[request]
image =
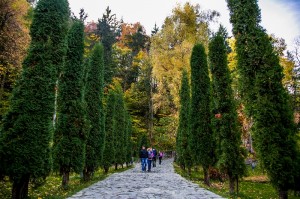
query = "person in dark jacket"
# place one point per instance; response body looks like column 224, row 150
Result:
column 154, row 157
column 144, row 157
column 150, row 157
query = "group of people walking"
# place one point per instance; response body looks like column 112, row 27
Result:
column 148, row 158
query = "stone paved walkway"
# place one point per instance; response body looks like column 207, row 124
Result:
column 161, row 183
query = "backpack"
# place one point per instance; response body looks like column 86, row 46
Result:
column 150, row 155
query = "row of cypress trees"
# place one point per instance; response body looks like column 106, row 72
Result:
column 262, row 93
column 201, row 138
column 57, row 79
column 118, row 128
column 264, row 97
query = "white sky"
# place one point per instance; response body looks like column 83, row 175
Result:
column 279, row 17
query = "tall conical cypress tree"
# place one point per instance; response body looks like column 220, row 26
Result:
column 201, row 138
column 245, row 25
column 109, row 151
column 228, row 136
column 120, row 126
column 70, row 135
column 128, row 150
column 182, row 140
column 95, row 112
column 26, row 133
column 275, row 132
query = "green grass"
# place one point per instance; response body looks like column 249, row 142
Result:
column 52, row 188
column 255, row 186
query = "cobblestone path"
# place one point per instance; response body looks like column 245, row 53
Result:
column 161, row 183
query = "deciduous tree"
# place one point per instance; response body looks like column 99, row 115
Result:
column 15, row 17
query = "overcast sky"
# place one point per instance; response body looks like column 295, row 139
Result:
column 279, row 17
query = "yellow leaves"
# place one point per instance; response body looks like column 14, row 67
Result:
column 288, row 67
column 232, row 57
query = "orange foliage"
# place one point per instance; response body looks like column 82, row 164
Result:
column 127, row 29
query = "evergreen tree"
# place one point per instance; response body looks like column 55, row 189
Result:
column 155, row 30
column 109, row 151
column 201, row 138
column 182, row 141
column 69, row 138
column 108, row 29
column 228, row 136
column 261, row 80
column 120, row 126
column 95, row 112
column 129, row 130
column 26, row 133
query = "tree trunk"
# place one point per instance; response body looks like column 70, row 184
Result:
column 231, row 184
column 196, row 169
column 65, row 179
column 237, row 186
column 206, row 176
column 87, row 175
column 2, row 86
column 283, row 194
column 116, row 166
column 182, row 167
column 189, row 171
column 106, row 169
column 20, row 188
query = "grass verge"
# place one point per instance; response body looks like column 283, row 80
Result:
column 52, row 189
column 255, row 186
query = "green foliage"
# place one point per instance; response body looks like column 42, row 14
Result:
column 138, row 41
column 183, row 149
column 70, row 135
column 245, row 25
column 108, row 30
column 125, row 70
column 120, row 125
column 143, row 141
column 138, row 98
column 230, row 159
column 117, row 128
column 201, row 139
column 26, row 133
column 95, row 110
column 275, row 131
column 109, row 151
column 128, row 139
column 264, row 95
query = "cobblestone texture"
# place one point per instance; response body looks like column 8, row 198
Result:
column 161, row 183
